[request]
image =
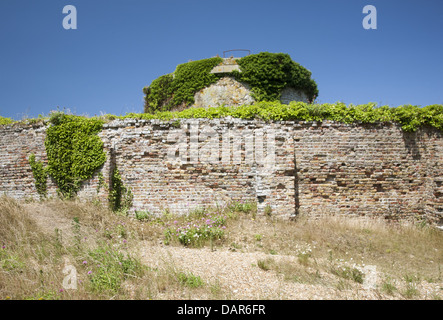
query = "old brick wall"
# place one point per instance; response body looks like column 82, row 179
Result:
column 295, row 167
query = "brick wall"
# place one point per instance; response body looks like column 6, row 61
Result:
column 294, row 167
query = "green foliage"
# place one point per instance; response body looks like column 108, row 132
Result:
column 245, row 207
column 268, row 73
column 191, row 77
column 5, row 121
column 190, row 280
column 409, row 117
column 109, row 267
column 40, row 175
column 142, row 215
column 74, row 151
column 10, row 261
column 350, row 273
column 158, row 96
column 120, row 196
column 179, row 88
column 201, row 227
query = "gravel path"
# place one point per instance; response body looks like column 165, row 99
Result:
column 238, row 274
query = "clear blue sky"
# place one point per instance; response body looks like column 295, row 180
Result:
column 120, row 46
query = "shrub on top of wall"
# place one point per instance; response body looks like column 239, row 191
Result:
column 409, row 117
column 5, row 121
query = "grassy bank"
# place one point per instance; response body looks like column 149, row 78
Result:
column 42, row 242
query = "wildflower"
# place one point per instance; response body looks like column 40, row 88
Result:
column 89, row 272
column 61, row 290
column 85, row 262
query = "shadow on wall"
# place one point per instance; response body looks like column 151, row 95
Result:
column 410, row 139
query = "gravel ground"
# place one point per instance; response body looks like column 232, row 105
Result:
column 239, row 276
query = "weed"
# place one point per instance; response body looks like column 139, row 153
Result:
column 411, row 289
column 143, row 215
column 268, row 210
column 348, row 272
column 109, row 267
column 265, row 264
column 258, row 237
column 188, row 279
column 388, row 286
column 199, row 228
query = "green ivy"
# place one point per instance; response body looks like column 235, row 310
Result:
column 120, row 196
column 5, row 121
column 409, row 117
column 158, row 96
column 40, row 175
column 179, row 88
column 269, row 73
column 74, row 151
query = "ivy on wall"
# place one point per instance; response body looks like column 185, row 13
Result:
column 74, row 151
column 269, row 73
column 179, row 88
column 120, row 196
column 409, row 117
column 40, row 175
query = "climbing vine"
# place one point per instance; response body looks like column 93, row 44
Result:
column 40, row 175
column 177, row 89
column 120, row 196
column 74, row 151
column 269, row 73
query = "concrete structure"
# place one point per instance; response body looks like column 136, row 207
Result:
column 230, row 92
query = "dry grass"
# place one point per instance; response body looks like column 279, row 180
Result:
column 40, row 239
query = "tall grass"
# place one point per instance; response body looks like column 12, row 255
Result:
column 38, row 240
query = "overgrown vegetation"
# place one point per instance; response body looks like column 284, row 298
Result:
column 178, row 89
column 327, row 252
column 40, row 175
column 197, row 228
column 120, row 196
column 74, row 153
column 409, row 117
column 267, row 74
column 5, row 121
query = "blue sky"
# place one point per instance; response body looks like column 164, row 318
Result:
column 120, row 46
